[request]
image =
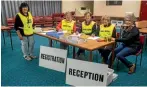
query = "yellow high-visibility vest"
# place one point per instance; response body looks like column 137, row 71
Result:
column 27, row 23
column 106, row 31
column 87, row 28
column 67, row 26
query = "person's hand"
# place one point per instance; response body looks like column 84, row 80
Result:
column 100, row 40
column 20, row 37
column 113, row 39
column 93, row 35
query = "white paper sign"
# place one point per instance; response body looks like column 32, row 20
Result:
column 52, row 58
column 114, row 22
column 119, row 23
column 84, row 73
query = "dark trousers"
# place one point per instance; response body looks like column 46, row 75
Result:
column 122, row 51
column 104, row 53
column 63, row 46
column 80, row 51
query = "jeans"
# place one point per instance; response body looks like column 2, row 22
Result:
column 121, row 52
column 27, row 45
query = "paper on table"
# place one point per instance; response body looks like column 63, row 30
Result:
column 43, row 33
column 48, row 31
column 64, row 31
column 37, row 29
column 75, row 35
column 93, row 38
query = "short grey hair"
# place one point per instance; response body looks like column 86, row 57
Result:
column 130, row 16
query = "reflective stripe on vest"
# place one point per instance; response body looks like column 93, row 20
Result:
column 67, row 26
column 27, row 23
column 106, row 31
column 87, row 28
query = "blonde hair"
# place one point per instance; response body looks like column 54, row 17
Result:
column 106, row 18
column 88, row 13
column 68, row 13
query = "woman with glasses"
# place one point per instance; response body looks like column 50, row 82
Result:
column 130, row 43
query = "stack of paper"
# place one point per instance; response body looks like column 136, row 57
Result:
column 93, row 38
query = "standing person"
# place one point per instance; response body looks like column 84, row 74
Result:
column 89, row 28
column 67, row 24
column 106, row 29
column 24, row 29
column 130, row 44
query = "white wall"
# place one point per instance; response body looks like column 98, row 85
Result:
column 70, row 5
column 101, row 9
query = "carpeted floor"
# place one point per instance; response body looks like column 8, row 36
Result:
column 16, row 71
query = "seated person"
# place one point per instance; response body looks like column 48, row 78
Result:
column 88, row 27
column 106, row 29
column 130, row 44
column 68, row 25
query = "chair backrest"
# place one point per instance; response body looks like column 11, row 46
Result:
column 57, row 19
column 38, row 19
column 62, row 15
column 57, row 15
column 41, row 18
column 142, row 39
column 48, row 19
column 10, row 22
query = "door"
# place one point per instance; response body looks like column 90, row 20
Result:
column 143, row 10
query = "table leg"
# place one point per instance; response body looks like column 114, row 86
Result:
column 145, row 44
column 50, row 42
column 11, row 40
column 74, row 52
column 3, row 37
column 112, row 59
column 90, row 58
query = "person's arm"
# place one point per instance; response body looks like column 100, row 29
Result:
column 114, row 33
column 17, row 25
column 128, row 39
column 74, row 28
column 19, row 35
column 98, row 30
column 94, row 30
column 79, row 25
column 58, row 27
column 33, row 25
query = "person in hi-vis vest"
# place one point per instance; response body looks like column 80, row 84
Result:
column 24, row 29
column 68, row 25
column 106, row 29
column 88, row 27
